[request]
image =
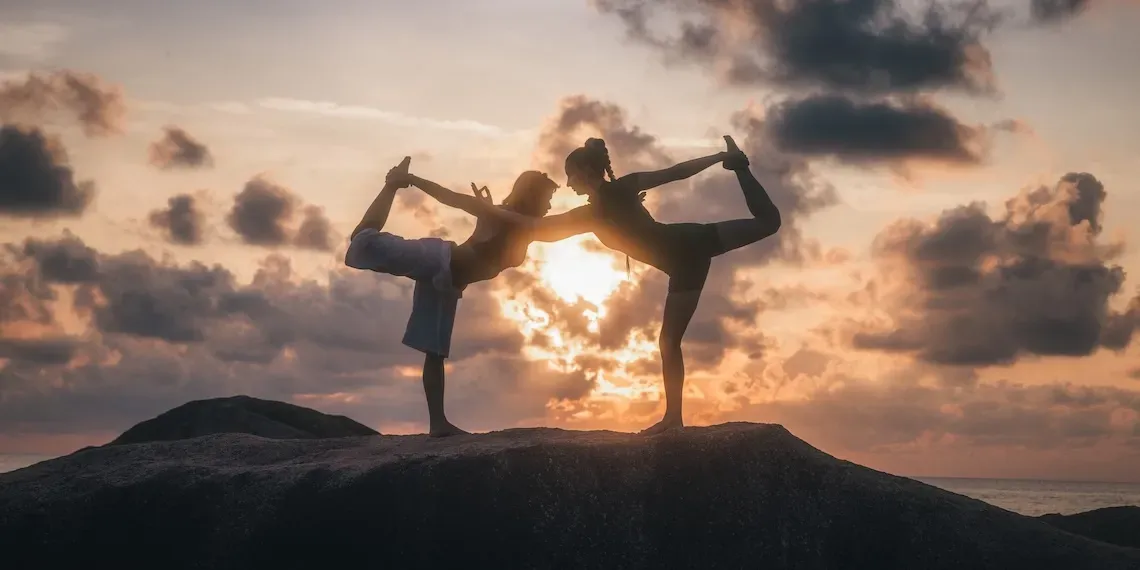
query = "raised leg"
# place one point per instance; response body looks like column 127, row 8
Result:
column 765, row 221
column 438, row 426
column 679, row 309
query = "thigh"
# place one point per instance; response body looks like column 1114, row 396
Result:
column 432, row 321
column 735, row 234
column 688, row 272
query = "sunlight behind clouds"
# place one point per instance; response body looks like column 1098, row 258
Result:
column 574, row 273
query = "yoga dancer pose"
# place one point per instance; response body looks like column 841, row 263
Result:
column 683, row 251
column 441, row 268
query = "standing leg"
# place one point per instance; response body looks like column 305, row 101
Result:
column 680, row 304
column 429, row 331
column 438, row 426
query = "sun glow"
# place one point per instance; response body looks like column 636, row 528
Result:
column 574, row 273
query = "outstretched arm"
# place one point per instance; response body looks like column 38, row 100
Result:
column 471, row 204
column 377, row 213
column 561, row 226
column 647, row 180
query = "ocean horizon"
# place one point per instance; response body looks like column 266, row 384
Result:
column 1031, row 497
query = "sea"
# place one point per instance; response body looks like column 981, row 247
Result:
column 1035, row 498
column 1027, row 497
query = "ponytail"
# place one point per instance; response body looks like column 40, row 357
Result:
column 601, row 155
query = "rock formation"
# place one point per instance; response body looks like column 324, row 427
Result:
column 1114, row 525
column 242, row 414
column 727, row 496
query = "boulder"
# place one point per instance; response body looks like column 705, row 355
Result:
column 242, row 414
column 729, row 496
column 1114, row 525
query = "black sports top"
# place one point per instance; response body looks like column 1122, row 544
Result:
column 623, row 224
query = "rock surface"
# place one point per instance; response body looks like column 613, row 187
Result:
column 242, row 414
column 1114, row 525
column 727, row 496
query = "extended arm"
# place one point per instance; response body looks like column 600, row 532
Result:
column 647, row 180
column 377, row 213
column 471, row 204
column 561, row 226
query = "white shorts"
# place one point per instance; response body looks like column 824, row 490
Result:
column 427, row 261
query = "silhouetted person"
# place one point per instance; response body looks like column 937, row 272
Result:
column 442, row 269
column 683, row 251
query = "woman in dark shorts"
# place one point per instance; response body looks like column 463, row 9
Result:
column 683, row 251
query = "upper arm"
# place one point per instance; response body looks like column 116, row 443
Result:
column 641, row 181
column 561, row 226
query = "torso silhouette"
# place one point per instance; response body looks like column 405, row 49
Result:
column 494, row 247
column 622, row 223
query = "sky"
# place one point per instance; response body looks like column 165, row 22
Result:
column 953, row 291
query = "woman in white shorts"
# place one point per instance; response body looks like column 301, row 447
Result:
column 442, row 269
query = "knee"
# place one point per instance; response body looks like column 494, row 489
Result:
column 670, row 347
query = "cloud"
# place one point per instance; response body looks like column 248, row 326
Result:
column 99, row 107
column 177, row 149
column 31, row 40
column 973, row 290
column 336, row 110
column 182, row 221
column 1050, row 11
column 36, row 180
column 263, row 214
column 907, row 420
column 579, row 117
column 152, row 334
column 863, row 46
column 863, row 133
column 315, row 231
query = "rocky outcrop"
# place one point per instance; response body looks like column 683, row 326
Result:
column 728, row 496
column 242, row 414
column 1114, row 525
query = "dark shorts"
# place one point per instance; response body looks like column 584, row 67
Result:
column 688, row 251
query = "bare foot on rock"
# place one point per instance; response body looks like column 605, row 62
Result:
column 666, row 424
column 446, row 430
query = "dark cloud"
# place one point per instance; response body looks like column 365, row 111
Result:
column 974, row 290
column 162, row 333
column 315, row 231
column 865, row 46
column 177, row 149
column 860, row 132
column 181, row 221
column 36, row 180
column 1049, row 11
column 263, row 214
column 99, row 107
column 48, row 351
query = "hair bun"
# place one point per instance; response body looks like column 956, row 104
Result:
column 595, row 143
